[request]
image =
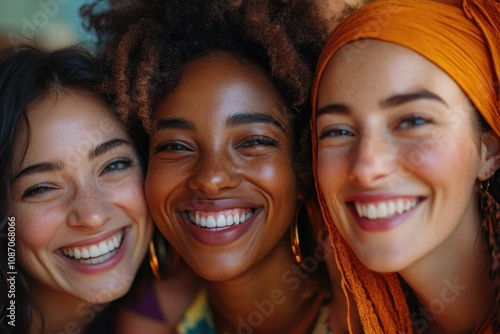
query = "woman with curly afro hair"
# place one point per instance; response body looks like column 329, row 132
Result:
column 220, row 91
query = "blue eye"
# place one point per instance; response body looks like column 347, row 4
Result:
column 258, row 141
column 336, row 133
column 37, row 190
column 414, row 121
column 118, row 165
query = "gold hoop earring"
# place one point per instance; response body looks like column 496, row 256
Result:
column 160, row 256
column 295, row 235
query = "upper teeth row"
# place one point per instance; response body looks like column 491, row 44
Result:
column 384, row 209
column 96, row 250
column 235, row 217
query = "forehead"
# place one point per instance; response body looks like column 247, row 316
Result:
column 380, row 69
column 77, row 110
column 67, row 121
column 222, row 82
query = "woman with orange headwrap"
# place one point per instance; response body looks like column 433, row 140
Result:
column 406, row 127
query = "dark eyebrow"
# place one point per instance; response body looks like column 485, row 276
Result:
column 252, row 118
column 332, row 108
column 174, row 123
column 107, row 146
column 40, row 168
column 391, row 101
column 399, row 99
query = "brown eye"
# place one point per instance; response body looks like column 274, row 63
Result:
column 258, row 141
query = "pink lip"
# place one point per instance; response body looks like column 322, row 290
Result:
column 221, row 235
column 383, row 224
column 103, row 266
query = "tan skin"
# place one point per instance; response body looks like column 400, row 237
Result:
column 203, row 162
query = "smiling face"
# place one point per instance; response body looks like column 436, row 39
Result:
column 220, row 183
column 82, row 224
column 399, row 153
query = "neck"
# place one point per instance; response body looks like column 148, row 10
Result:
column 272, row 297
column 73, row 315
column 452, row 284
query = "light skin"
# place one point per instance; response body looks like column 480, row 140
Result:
column 223, row 146
column 398, row 131
column 78, row 192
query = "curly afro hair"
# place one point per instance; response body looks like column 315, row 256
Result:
column 148, row 42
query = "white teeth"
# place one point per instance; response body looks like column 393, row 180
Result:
column 221, row 221
column 78, row 254
column 210, row 221
column 234, row 217
column 85, row 253
column 96, row 253
column 384, row 209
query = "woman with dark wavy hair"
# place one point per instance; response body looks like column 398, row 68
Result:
column 73, row 218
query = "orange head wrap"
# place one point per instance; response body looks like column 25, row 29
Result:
column 460, row 37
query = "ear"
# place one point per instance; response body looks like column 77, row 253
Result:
column 490, row 155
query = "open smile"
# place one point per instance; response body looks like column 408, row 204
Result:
column 97, row 252
column 384, row 209
column 215, row 219
column 379, row 215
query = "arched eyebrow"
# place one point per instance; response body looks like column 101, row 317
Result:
column 49, row 166
column 399, row 99
column 41, row 167
column 107, row 146
column 253, row 118
column 174, row 123
column 391, row 101
column 233, row 120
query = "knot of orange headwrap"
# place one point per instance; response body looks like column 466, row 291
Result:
column 460, row 37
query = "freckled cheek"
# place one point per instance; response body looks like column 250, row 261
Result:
column 131, row 198
column 436, row 162
column 331, row 172
column 37, row 231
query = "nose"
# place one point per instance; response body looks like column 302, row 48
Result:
column 89, row 208
column 215, row 172
column 373, row 161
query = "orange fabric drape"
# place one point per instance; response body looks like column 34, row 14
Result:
column 463, row 39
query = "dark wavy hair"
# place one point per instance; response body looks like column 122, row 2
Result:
column 27, row 75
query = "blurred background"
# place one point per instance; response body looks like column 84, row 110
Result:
column 52, row 23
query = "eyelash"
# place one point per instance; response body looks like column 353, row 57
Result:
column 171, row 146
column 126, row 162
column 37, row 190
column 336, row 133
column 413, row 120
column 40, row 190
column 258, row 141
